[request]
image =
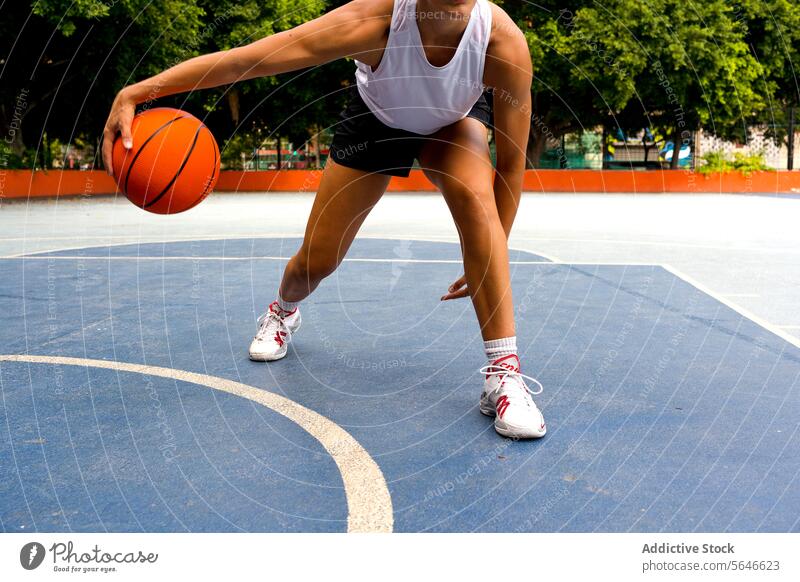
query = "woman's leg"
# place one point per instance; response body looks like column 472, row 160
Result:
column 456, row 159
column 343, row 201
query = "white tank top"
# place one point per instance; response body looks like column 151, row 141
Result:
column 407, row 92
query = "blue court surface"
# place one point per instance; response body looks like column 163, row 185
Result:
column 129, row 403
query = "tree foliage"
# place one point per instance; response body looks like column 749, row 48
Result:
column 669, row 65
column 287, row 106
column 68, row 59
column 773, row 34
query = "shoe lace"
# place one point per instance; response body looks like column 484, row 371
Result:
column 520, row 378
column 268, row 325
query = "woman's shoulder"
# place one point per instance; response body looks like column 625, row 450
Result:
column 506, row 41
column 377, row 9
column 508, row 49
column 504, row 29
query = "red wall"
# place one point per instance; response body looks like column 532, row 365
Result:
column 26, row 184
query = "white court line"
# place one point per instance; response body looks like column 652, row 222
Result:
column 737, row 308
column 132, row 240
column 157, row 238
column 102, row 237
column 786, row 250
column 368, row 501
column 740, row 294
column 777, row 330
column 199, row 258
column 39, row 257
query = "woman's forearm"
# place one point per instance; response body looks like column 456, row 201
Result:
column 507, row 195
column 348, row 30
column 203, row 72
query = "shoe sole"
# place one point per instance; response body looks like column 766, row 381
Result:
column 508, row 432
column 268, row 358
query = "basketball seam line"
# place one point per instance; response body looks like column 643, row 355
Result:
column 141, row 149
column 178, row 173
column 207, row 189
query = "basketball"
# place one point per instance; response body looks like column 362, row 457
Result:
column 173, row 164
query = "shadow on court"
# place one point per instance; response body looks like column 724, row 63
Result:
column 665, row 408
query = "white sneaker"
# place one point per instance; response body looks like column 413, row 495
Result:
column 274, row 334
column 507, row 398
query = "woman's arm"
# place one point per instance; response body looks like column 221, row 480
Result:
column 357, row 29
column 509, row 71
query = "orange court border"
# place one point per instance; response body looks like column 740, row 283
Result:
column 25, row 184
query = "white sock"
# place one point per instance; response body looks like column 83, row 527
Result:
column 499, row 348
column 286, row 306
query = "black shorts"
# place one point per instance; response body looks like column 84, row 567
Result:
column 363, row 142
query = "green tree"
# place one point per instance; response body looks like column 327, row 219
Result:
column 670, row 65
column 559, row 104
column 287, row 106
column 68, row 59
column 700, row 71
column 773, row 33
column 665, row 64
column 64, row 61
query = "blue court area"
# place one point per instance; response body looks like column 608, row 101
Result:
column 666, row 410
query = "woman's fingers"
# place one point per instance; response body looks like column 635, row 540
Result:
column 108, row 145
column 125, row 122
column 119, row 121
column 456, row 295
column 457, row 290
column 458, row 284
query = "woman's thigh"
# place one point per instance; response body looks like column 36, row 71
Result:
column 457, row 160
column 458, row 156
column 344, row 199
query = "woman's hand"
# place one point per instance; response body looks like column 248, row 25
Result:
column 457, row 290
column 119, row 122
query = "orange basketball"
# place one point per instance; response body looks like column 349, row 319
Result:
column 173, row 164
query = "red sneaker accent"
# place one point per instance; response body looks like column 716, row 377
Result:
column 276, row 309
column 502, row 404
column 279, row 335
column 507, row 363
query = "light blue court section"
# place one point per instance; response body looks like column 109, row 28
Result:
column 666, row 410
column 97, row 450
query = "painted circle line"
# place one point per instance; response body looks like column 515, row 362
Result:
column 369, row 505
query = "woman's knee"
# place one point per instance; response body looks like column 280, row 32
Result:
column 472, row 206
